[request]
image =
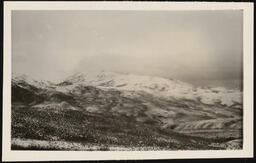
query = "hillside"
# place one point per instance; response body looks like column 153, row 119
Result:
column 113, row 111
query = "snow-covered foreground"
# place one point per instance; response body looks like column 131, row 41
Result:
column 73, row 146
column 31, row 144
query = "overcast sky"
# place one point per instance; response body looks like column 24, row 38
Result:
column 193, row 46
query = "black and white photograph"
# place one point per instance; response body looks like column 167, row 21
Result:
column 127, row 80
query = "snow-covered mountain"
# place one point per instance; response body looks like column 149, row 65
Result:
column 25, row 79
column 158, row 86
column 161, row 96
column 152, row 103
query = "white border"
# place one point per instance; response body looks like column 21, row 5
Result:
column 247, row 151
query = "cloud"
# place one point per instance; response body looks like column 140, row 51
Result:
column 189, row 45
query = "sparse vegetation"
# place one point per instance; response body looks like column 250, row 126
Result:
column 112, row 121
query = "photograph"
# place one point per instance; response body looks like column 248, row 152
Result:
column 127, row 80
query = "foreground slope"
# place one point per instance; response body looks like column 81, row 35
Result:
column 123, row 112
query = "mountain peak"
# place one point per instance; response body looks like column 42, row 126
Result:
column 18, row 78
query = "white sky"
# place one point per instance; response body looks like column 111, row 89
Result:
column 193, row 46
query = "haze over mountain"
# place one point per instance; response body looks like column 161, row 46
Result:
column 199, row 47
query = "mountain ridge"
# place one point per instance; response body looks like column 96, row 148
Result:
column 124, row 97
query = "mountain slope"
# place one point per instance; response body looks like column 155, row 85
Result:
column 125, row 110
column 161, row 87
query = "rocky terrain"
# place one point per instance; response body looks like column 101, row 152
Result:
column 115, row 111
